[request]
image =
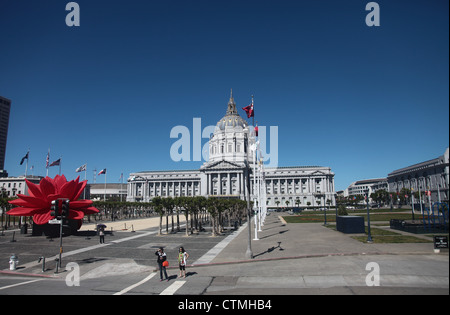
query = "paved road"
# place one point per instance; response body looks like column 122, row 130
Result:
column 289, row 259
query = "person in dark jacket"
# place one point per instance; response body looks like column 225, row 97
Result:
column 162, row 258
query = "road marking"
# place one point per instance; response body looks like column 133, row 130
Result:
column 89, row 248
column 213, row 252
column 17, row 284
column 173, row 288
column 131, row 287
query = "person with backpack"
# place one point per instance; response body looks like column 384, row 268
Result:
column 162, row 263
column 182, row 257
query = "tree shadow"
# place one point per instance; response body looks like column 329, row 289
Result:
column 269, row 250
column 280, row 232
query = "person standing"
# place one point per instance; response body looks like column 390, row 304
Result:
column 182, row 257
column 101, row 233
column 162, row 257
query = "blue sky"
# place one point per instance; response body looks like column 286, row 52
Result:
column 362, row 100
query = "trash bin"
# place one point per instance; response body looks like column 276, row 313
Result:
column 13, row 262
column 24, row 229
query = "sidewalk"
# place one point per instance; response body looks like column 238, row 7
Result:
column 133, row 224
column 279, row 240
column 308, row 258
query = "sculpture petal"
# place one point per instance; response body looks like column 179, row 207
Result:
column 42, row 218
column 91, row 210
column 33, row 201
column 34, row 190
column 21, row 211
column 76, row 214
column 79, row 204
column 80, row 188
column 68, row 190
column 46, row 186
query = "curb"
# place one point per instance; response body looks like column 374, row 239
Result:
column 25, row 274
column 303, row 257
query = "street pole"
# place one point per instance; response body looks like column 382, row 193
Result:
column 255, row 205
column 60, row 242
column 369, row 235
column 248, row 253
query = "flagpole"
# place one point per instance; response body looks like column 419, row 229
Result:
column 253, row 116
column 104, row 195
column 48, row 160
column 26, row 165
column 84, row 193
column 121, row 185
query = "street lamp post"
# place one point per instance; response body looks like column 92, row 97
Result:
column 369, row 235
column 249, row 252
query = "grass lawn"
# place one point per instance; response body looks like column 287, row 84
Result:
column 379, row 236
column 380, row 239
column 319, row 217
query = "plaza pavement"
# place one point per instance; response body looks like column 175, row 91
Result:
column 309, row 258
column 297, row 258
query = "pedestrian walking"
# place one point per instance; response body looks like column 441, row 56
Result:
column 162, row 258
column 182, row 257
column 101, row 233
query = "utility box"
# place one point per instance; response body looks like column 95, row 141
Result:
column 350, row 224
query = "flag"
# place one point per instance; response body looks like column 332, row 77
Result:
column 82, row 168
column 47, row 159
column 256, row 130
column 25, row 157
column 249, row 110
column 121, row 176
column 103, row 171
column 55, row 163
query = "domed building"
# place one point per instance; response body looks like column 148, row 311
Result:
column 227, row 169
column 230, row 134
column 227, row 166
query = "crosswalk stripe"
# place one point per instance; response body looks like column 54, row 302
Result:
column 17, row 284
column 131, row 287
column 173, row 288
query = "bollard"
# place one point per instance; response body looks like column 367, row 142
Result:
column 57, row 264
column 132, row 229
column 43, row 262
column 13, row 236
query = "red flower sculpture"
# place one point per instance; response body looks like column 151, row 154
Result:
column 38, row 203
